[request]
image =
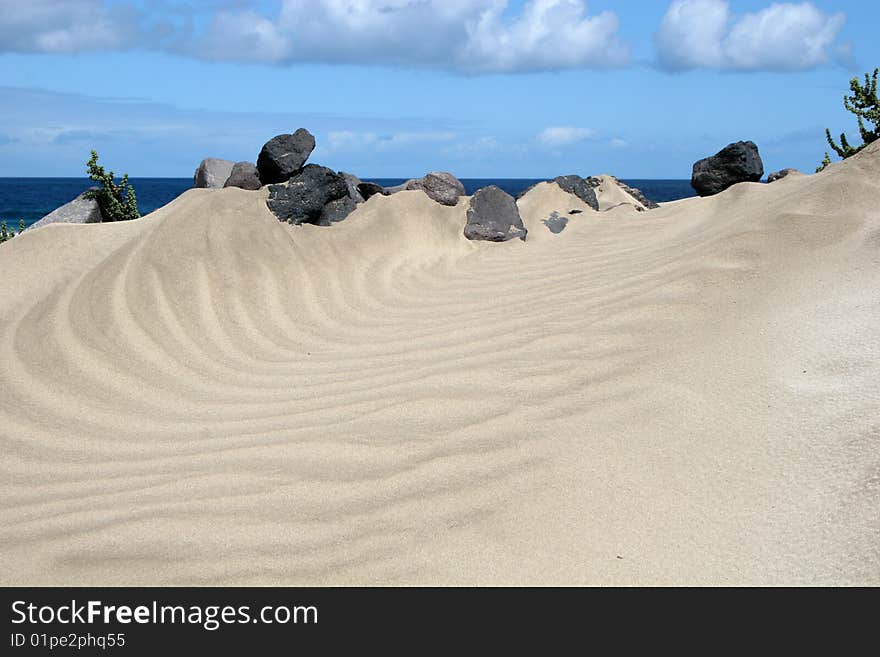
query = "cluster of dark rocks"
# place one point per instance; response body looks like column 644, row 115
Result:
column 735, row 163
column 301, row 193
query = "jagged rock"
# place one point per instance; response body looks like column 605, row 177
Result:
column 369, row 189
column 637, row 194
column 352, row 182
column 212, row 173
column 440, row 186
column 303, row 198
column 80, row 210
column 735, row 163
column 245, row 176
column 493, row 216
column 284, row 155
column 556, row 222
column 579, row 187
column 779, row 175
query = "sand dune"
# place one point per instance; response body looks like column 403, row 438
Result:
column 687, row 395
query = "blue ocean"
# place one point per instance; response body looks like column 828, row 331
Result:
column 33, row 198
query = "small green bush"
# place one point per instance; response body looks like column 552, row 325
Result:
column 117, row 202
column 866, row 106
column 7, row 233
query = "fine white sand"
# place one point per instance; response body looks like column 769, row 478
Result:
column 689, row 395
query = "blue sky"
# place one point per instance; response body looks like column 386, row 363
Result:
column 395, row 88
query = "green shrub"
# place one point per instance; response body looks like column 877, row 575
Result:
column 7, row 233
column 117, row 202
column 865, row 105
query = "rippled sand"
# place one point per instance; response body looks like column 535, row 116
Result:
column 689, row 395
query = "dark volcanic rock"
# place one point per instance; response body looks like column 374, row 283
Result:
column 370, row 189
column 735, row 163
column 494, row 217
column 302, row 199
column 284, row 155
column 440, row 186
column 336, row 211
column 779, row 175
column 80, row 210
column 580, row 188
column 245, row 176
column 212, row 173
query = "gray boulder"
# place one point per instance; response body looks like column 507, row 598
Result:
column 245, row 176
column 440, row 186
column 402, row 187
column 212, row 173
column 369, row 189
column 579, row 187
column 80, row 210
column 494, row 217
column 284, row 155
column 303, row 199
column 353, row 182
column 779, row 175
column 735, row 163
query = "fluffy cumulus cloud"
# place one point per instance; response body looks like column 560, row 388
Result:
column 55, row 26
column 781, row 37
column 470, row 36
column 559, row 136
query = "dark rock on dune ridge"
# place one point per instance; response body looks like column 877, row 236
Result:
column 779, row 175
column 245, row 176
column 303, row 199
column 494, row 217
column 369, row 189
column 285, row 155
column 735, row 163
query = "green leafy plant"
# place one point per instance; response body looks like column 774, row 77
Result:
column 117, row 202
column 866, row 106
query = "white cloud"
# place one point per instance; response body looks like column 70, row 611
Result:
column 470, row 36
column 63, row 26
column 557, row 136
column 348, row 140
column 782, row 37
column 546, row 35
